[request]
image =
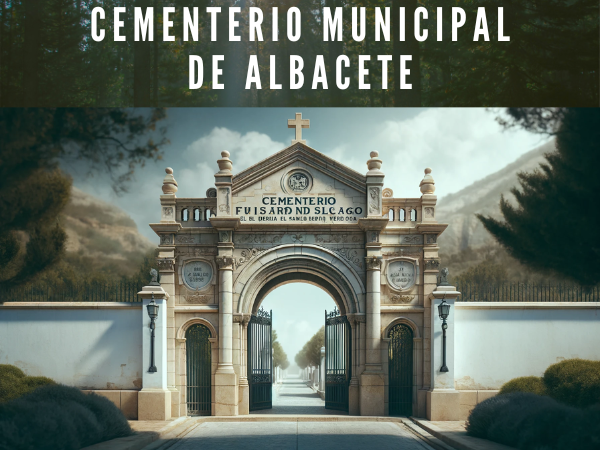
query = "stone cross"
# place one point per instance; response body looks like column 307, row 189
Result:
column 298, row 123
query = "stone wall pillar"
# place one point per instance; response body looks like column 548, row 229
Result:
column 244, row 390
column 372, row 380
column 442, row 400
column 322, row 370
column 154, row 400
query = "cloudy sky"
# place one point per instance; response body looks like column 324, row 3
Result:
column 460, row 145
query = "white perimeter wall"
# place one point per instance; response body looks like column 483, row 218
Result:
column 91, row 346
column 495, row 342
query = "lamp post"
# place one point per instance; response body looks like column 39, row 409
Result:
column 444, row 310
column 153, row 314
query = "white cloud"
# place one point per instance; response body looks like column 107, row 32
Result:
column 460, row 145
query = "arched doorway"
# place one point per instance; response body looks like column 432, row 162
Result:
column 400, row 370
column 198, row 366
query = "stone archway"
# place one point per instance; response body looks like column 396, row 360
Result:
column 310, row 264
column 299, row 263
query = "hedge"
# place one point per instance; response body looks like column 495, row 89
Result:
column 533, row 422
column 14, row 383
column 575, row 382
column 59, row 417
column 533, row 385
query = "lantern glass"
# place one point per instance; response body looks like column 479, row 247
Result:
column 152, row 309
column 444, row 310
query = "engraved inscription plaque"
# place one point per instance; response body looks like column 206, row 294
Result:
column 401, row 275
column 197, row 274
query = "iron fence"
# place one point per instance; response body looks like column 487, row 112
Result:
column 526, row 292
column 120, row 291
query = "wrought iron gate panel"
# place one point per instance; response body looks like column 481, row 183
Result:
column 198, row 364
column 338, row 362
column 260, row 360
column 401, row 370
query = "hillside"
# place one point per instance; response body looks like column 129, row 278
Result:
column 102, row 237
column 465, row 235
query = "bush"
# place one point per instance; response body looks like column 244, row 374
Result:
column 60, row 417
column 575, row 382
column 14, row 383
column 533, row 385
column 533, row 422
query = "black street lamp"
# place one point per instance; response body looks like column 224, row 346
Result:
column 153, row 314
column 444, row 310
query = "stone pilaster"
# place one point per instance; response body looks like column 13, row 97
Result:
column 442, row 399
column 154, row 400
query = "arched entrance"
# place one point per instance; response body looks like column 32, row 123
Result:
column 400, row 370
column 321, row 267
column 198, row 370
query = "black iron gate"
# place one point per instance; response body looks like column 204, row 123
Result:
column 260, row 360
column 401, row 370
column 338, row 363
column 198, row 349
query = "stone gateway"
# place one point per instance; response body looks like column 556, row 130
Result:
column 300, row 216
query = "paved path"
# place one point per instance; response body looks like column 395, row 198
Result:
column 293, row 396
column 300, row 436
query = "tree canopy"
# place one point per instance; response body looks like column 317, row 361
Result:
column 280, row 358
column 33, row 189
column 555, row 222
column 310, row 355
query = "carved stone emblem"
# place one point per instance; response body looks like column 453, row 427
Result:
column 185, row 239
column 224, row 205
column 167, row 212
column 374, row 200
column 411, row 239
column 402, row 298
column 431, row 238
column 401, row 275
column 247, row 254
column 196, row 298
column 387, row 193
column 197, row 274
column 429, row 212
column 337, row 238
column 224, row 236
column 297, row 238
column 211, row 193
column 258, row 239
column 298, row 182
column 350, row 254
column 166, row 239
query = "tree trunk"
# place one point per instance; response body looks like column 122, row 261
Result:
column 142, row 67
column 31, row 52
column 406, row 97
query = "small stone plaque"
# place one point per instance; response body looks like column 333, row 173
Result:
column 197, row 274
column 401, row 275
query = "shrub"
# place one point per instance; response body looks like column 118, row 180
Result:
column 533, row 385
column 575, row 382
column 58, row 416
column 14, row 383
column 533, row 422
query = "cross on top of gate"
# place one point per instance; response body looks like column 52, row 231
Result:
column 298, row 123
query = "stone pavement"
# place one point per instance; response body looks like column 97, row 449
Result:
column 293, row 396
column 300, row 436
column 454, row 434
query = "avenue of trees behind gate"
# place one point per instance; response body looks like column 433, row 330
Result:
column 49, row 58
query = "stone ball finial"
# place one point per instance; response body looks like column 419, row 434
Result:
column 374, row 164
column 169, row 184
column 427, row 183
column 225, row 164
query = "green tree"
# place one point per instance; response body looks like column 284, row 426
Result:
column 280, row 358
column 310, row 355
column 33, row 190
column 554, row 225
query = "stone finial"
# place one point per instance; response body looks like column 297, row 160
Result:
column 374, row 164
column 169, row 183
column 154, row 276
column 225, row 164
column 427, row 184
column 443, row 278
